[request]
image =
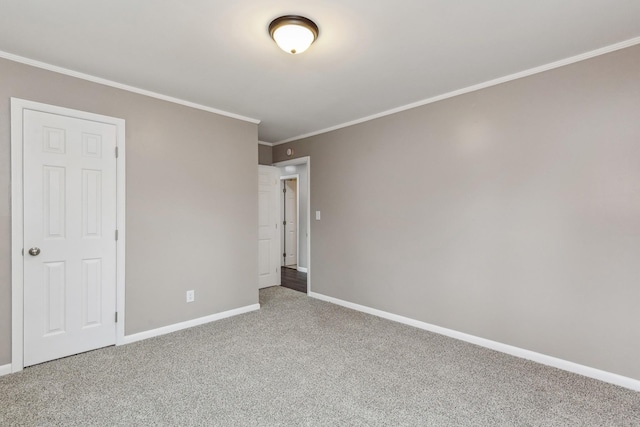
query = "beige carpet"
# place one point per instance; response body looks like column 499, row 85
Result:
column 304, row 362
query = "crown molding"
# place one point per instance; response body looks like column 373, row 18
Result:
column 100, row 80
column 494, row 82
column 270, row 144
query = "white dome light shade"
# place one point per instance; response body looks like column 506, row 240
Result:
column 293, row 38
column 293, row 34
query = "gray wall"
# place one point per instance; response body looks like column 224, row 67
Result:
column 188, row 225
column 264, row 155
column 510, row 213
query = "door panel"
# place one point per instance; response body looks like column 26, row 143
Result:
column 55, row 290
column 91, row 295
column 54, row 206
column 91, row 199
column 70, row 214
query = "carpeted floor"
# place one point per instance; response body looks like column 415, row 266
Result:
column 300, row 361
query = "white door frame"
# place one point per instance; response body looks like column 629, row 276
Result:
column 304, row 161
column 17, row 218
column 297, row 178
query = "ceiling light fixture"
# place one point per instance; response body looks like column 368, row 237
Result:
column 292, row 33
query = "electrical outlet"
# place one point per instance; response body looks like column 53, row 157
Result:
column 191, row 296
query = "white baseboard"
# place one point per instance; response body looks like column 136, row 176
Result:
column 5, row 369
column 302, row 269
column 544, row 359
column 128, row 339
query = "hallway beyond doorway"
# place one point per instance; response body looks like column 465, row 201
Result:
column 293, row 279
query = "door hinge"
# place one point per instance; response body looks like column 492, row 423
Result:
column 116, row 234
column 284, row 190
column 284, row 222
column 116, row 152
column 116, row 317
column 284, row 255
column 22, row 251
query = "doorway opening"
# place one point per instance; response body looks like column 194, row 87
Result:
column 295, row 235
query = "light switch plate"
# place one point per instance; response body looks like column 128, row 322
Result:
column 317, row 215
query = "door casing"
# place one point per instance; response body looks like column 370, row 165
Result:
column 17, row 219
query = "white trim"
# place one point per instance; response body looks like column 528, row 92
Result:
column 270, row 144
column 188, row 324
column 301, row 161
column 494, row 82
column 100, row 80
column 17, row 215
column 17, row 238
column 302, row 269
column 544, row 359
column 5, row 370
column 121, row 214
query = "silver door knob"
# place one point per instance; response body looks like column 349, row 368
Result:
column 34, row 251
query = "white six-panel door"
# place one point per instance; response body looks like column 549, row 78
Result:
column 268, row 218
column 70, row 219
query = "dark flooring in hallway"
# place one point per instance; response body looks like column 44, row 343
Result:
column 293, row 279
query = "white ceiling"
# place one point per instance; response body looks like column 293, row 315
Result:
column 371, row 56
